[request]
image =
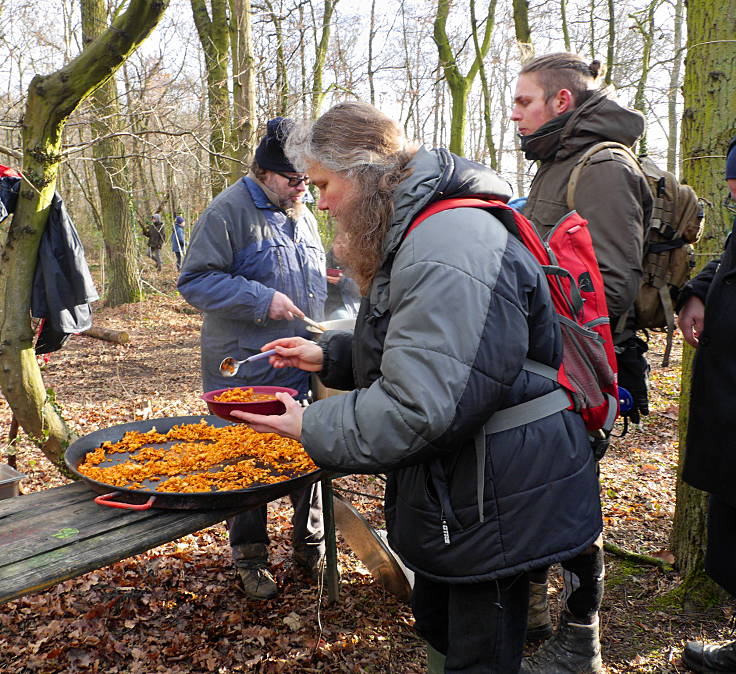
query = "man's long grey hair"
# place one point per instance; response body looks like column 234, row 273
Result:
column 362, row 144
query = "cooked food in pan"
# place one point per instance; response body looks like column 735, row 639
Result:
column 202, row 458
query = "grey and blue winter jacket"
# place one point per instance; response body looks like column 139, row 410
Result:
column 456, row 307
column 243, row 249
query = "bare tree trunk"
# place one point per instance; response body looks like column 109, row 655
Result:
column 565, row 28
column 142, row 206
column 672, row 117
column 708, row 124
column 214, row 36
column 282, row 83
column 487, row 125
column 458, row 83
column 245, row 124
column 51, row 99
column 522, row 30
column 610, row 51
column 591, row 29
column 305, row 103
column 520, row 166
column 320, row 54
column 645, row 26
column 113, row 182
column 371, row 37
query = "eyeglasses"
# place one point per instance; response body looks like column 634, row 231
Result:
column 294, row 181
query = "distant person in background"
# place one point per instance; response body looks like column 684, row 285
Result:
column 154, row 232
column 343, row 295
column 707, row 317
column 178, row 240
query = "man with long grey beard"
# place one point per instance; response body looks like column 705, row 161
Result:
column 255, row 264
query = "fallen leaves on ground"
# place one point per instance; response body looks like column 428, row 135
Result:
column 178, row 608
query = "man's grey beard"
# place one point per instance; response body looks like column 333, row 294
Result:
column 365, row 217
column 293, row 210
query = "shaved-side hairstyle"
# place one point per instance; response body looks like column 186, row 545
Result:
column 564, row 70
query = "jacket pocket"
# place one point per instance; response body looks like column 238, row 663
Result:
column 264, row 262
column 475, row 550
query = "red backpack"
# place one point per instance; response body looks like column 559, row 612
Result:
column 588, row 369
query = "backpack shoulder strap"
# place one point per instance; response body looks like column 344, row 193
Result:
column 445, row 204
column 514, row 222
column 618, row 148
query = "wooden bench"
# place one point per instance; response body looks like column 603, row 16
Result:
column 61, row 533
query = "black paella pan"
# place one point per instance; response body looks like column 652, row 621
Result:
column 147, row 497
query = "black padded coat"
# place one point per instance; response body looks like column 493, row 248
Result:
column 439, row 343
column 710, row 454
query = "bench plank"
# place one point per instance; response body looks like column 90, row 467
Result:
column 50, row 536
column 62, row 496
column 38, row 556
column 43, row 531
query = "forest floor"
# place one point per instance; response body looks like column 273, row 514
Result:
column 178, row 608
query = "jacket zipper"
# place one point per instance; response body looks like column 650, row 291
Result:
column 445, row 529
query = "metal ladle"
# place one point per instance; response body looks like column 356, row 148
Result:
column 229, row 366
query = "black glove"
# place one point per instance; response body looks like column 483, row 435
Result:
column 633, row 375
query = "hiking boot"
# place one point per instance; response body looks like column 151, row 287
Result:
column 311, row 561
column 574, row 649
column 538, row 622
column 700, row 657
column 258, row 582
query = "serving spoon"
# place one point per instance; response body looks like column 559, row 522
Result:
column 229, row 366
column 312, row 325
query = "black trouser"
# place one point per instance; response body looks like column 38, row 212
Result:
column 583, row 578
column 308, row 536
column 720, row 555
column 480, row 627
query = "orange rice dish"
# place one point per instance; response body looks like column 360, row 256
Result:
column 202, row 459
column 243, row 395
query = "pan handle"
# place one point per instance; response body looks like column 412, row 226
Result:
column 105, row 500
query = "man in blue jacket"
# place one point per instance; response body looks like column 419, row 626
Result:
column 254, row 267
column 178, row 240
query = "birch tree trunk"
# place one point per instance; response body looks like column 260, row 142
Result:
column 51, row 99
column 111, row 173
column 708, row 124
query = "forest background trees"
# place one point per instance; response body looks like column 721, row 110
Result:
column 179, row 117
column 183, row 112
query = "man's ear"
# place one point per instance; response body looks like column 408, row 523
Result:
column 563, row 101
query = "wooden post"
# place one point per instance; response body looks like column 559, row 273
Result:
column 328, row 518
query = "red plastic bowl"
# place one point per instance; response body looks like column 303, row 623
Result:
column 223, row 409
